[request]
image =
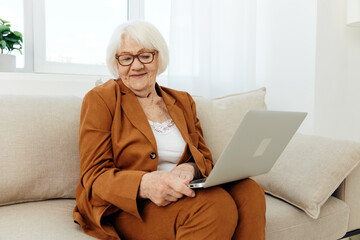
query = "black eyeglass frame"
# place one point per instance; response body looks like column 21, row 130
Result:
column 135, row 56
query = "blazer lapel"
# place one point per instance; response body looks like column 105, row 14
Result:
column 135, row 113
column 178, row 117
column 176, row 113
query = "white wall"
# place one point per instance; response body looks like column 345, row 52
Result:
column 285, row 55
column 337, row 85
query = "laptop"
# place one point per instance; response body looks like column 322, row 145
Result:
column 254, row 147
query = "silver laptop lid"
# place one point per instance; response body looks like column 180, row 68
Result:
column 255, row 145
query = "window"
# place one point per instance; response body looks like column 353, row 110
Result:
column 67, row 36
column 79, row 34
column 72, row 36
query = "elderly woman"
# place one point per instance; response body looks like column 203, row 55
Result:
column 141, row 144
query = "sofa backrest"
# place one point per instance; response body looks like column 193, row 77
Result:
column 39, row 156
column 219, row 117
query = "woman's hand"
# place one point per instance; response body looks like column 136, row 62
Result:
column 163, row 188
column 186, row 172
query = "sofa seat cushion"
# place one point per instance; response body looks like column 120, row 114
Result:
column 284, row 220
column 51, row 219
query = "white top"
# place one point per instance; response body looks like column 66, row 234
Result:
column 170, row 144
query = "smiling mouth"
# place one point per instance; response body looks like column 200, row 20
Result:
column 138, row 75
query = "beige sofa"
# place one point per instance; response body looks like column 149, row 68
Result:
column 39, row 165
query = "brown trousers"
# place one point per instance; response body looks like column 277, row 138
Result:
column 237, row 213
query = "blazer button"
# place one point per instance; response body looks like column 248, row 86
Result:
column 152, row 155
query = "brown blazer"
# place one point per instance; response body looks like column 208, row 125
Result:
column 117, row 147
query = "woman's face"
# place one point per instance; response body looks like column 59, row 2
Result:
column 138, row 77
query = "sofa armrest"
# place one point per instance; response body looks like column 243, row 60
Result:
column 349, row 191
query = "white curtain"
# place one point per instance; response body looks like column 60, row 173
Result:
column 212, row 46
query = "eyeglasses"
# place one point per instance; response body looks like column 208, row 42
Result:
column 144, row 58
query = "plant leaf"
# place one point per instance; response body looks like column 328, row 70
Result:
column 4, row 21
column 4, row 28
column 6, row 32
column 11, row 39
column 16, row 33
column 2, row 44
column 19, row 35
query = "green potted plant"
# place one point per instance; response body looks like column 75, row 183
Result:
column 9, row 41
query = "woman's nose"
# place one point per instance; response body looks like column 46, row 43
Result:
column 137, row 64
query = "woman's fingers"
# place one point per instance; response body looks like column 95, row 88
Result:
column 186, row 177
column 178, row 186
column 163, row 188
column 171, row 198
column 184, row 171
column 175, row 194
column 163, row 203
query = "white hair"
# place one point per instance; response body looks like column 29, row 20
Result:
column 146, row 35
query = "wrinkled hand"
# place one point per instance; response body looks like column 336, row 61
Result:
column 185, row 172
column 162, row 188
